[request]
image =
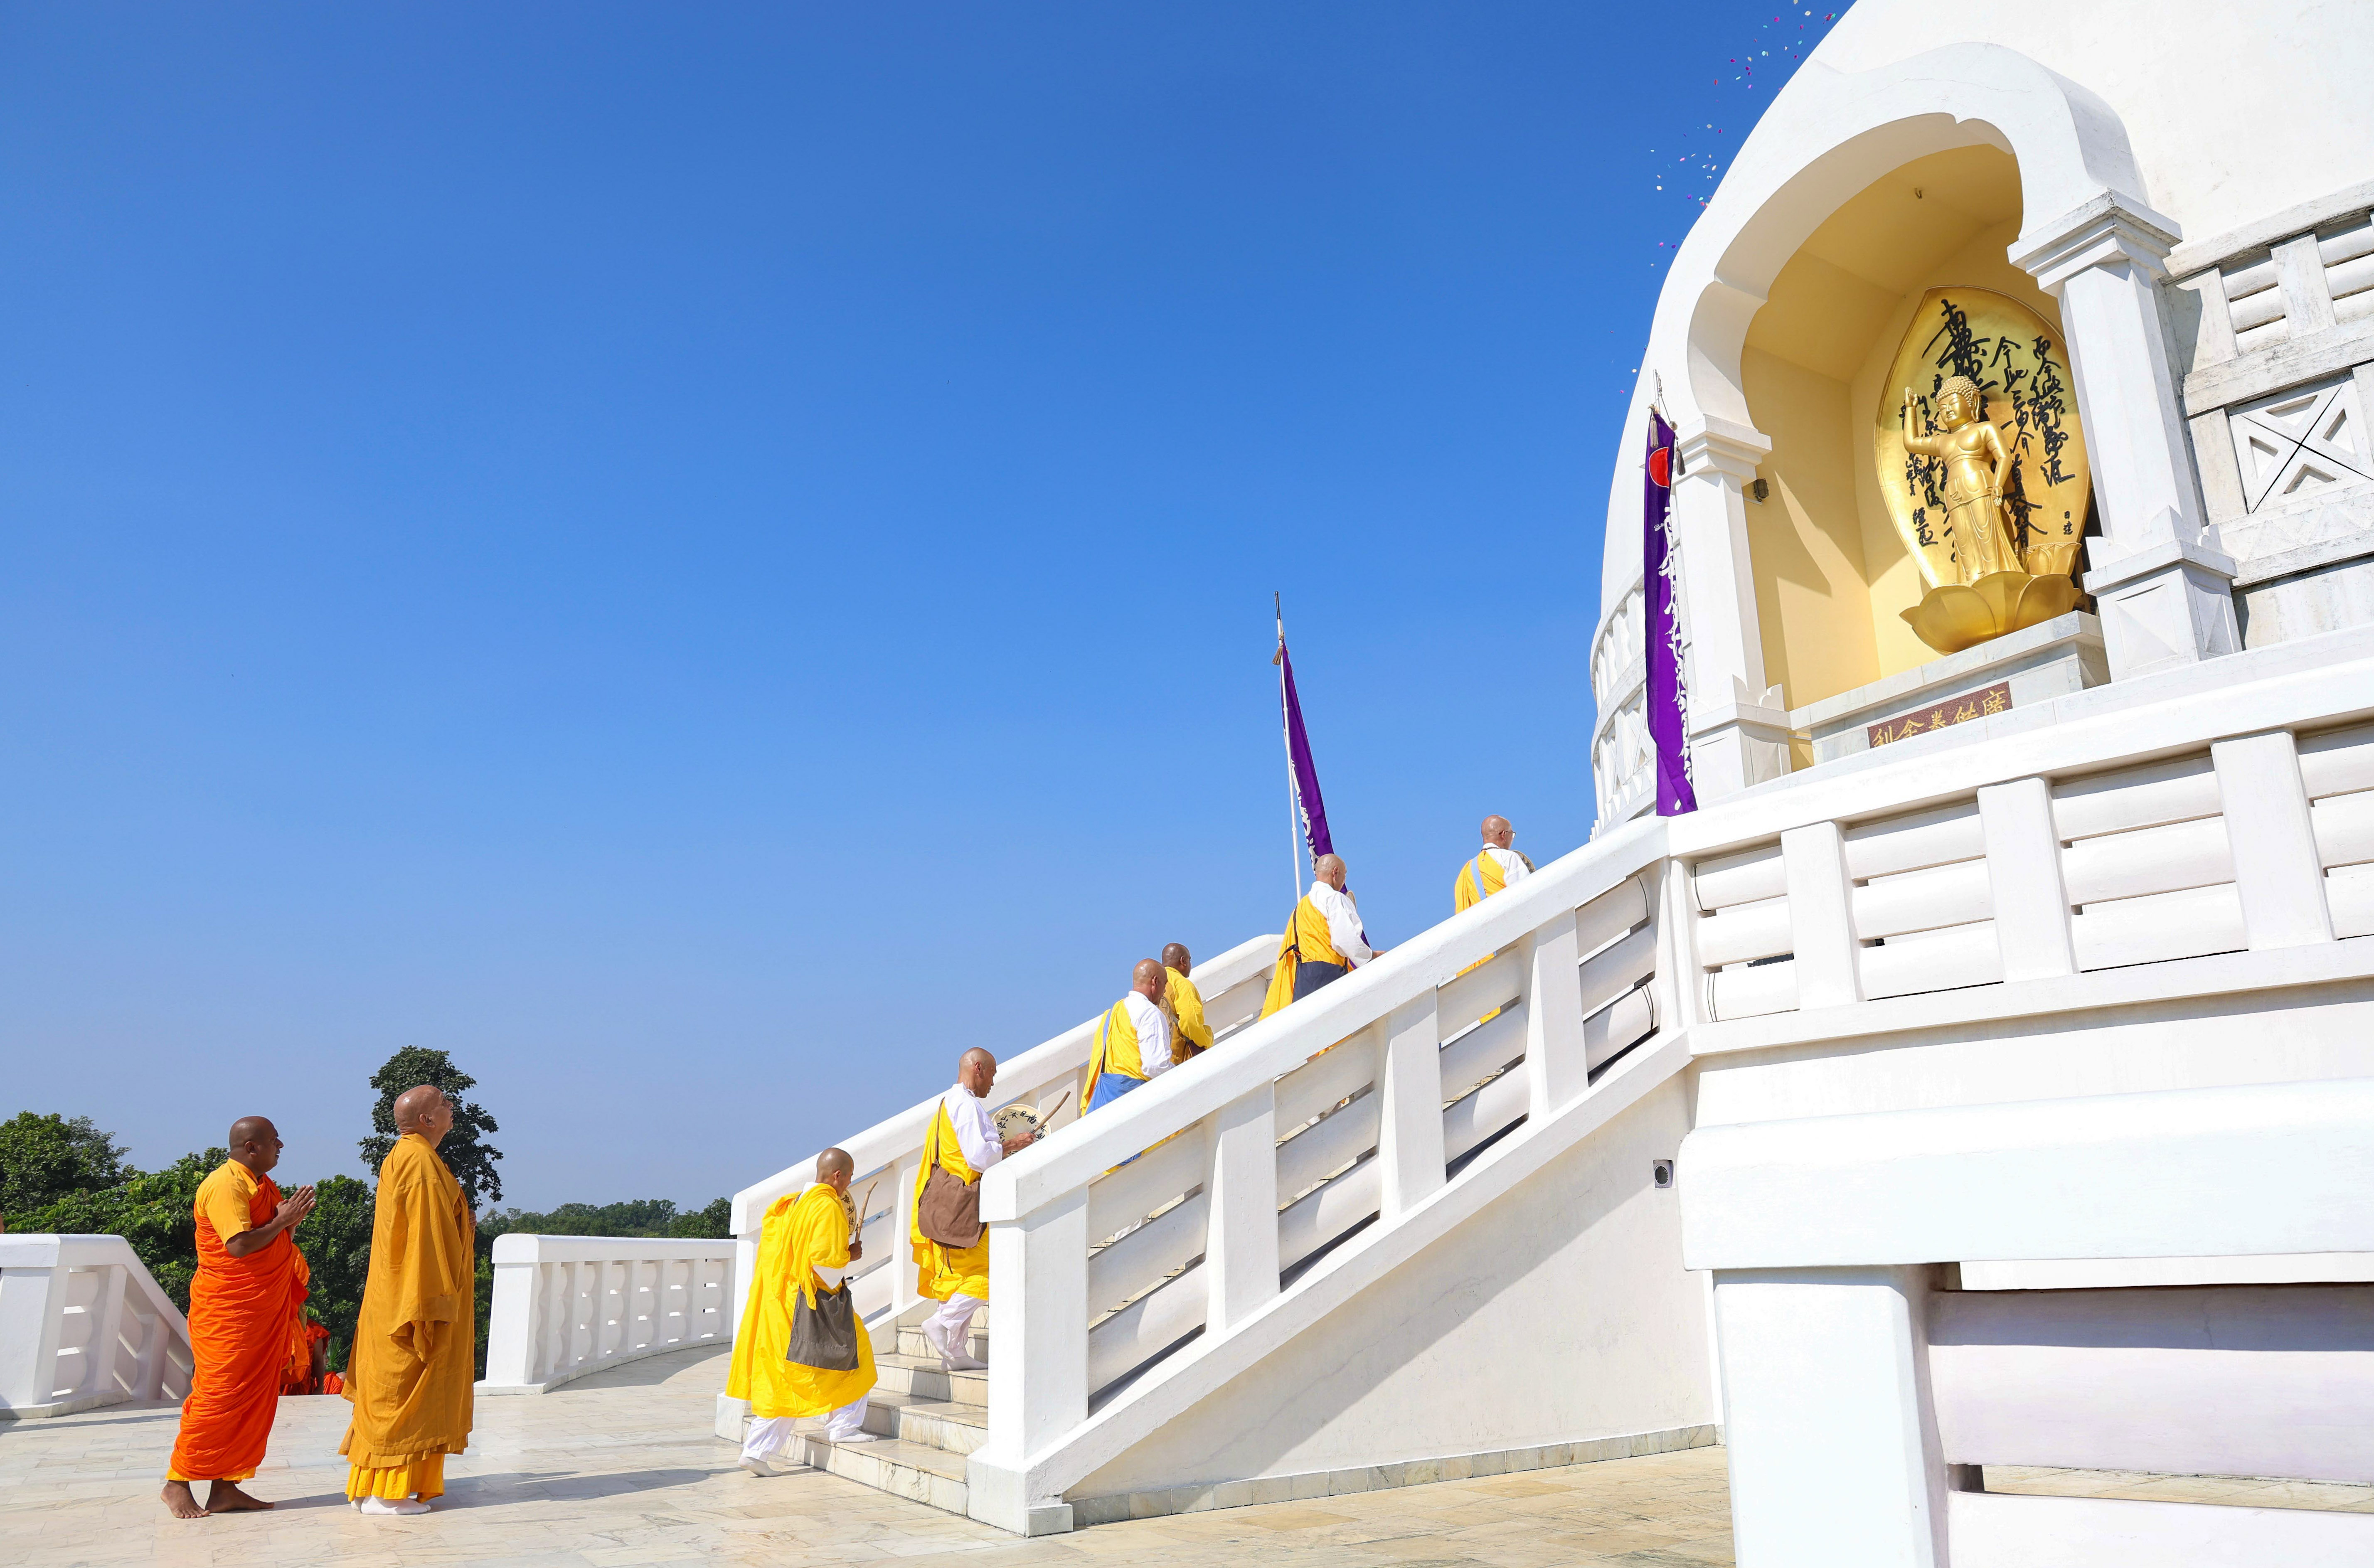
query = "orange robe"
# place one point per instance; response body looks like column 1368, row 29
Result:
column 242, row 1311
column 415, row 1351
column 297, row 1377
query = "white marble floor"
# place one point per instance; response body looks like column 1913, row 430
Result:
column 620, row 1470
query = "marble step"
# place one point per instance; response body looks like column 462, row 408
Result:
column 913, row 1470
column 922, row 1376
column 950, row 1428
column 913, row 1343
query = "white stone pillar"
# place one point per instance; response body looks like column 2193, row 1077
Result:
column 1738, row 727
column 1556, row 1068
column 1409, row 1129
column 1828, row 956
column 1828, row 1418
column 2033, row 933
column 1241, row 1249
column 2277, row 869
column 2166, row 592
column 1038, row 1362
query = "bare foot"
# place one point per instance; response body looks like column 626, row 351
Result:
column 229, row 1499
column 179, row 1503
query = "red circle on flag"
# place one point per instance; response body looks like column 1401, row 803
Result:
column 1660, row 467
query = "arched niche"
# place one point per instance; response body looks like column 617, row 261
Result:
column 1830, row 573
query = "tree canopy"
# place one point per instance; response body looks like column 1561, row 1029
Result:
column 464, row 1151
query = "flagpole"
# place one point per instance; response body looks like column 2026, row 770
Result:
column 1293, row 806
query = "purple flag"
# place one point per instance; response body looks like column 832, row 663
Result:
column 1668, row 695
column 1304, row 772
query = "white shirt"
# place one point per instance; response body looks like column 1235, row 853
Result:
column 1152, row 1035
column 1343, row 923
column 1513, row 869
column 976, row 1129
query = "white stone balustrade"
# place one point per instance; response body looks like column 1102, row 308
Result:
column 2175, row 819
column 565, row 1307
column 82, row 1324
column 1190, row 1209
column 889, row 1155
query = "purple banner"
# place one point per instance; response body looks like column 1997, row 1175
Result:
column 1668, row 695
column 1298, row 753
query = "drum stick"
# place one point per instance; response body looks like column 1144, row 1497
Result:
column 861, row 1210
column 1050, row 1116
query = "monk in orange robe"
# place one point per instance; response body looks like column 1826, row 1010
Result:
column 414, row 1356
column 244, row 1307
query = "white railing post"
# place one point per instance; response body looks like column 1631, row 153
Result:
column 1409, row 1129
column 1556, row 1068
column 1241, row 1249
column 904, row 1296
column 1821, row 916
column 1038, row 1326
column 30, row 1320
column 2030, row 904
column 511, row 1323
column 107, row 1340
column 2277, row 867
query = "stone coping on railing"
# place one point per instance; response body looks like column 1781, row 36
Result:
column 520, row 1246
column 1267, row 1050
column 31, row 1323
column 2316, row 682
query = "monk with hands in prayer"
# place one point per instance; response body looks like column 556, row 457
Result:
column 246, row 1322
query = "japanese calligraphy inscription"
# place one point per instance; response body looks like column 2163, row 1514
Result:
column 1961, row 709
column 1982, row 466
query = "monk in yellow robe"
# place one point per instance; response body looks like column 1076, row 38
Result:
column 1324, row 940
column 246, row 1305
column 415, row 1349
column 1495, row 867
column 1184, row 1005
column 1133, row 1043
column 802, row 1350
column 963, row 1141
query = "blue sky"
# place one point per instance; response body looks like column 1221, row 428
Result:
column 703, row 559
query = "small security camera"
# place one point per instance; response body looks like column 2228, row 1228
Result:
column 1661, row 1171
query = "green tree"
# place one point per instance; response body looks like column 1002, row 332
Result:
column 464, row 1151
column 335, row 1239
column 45, row 1158
column 713, row 1223
column 151, row 1210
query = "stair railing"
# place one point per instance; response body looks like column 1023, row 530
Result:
column 889, row 1155
column 1184, row 1209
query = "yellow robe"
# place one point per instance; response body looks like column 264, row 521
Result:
column 945, row 1271
column 1189, row 1032
column 1306, row 939
column 415, row 1351
column 1478, row 880
column 799, row 1235
column 1115, row 1052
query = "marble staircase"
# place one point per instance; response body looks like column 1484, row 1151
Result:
column 925, row 1421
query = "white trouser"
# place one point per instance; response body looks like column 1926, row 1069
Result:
column 954, row 1322
column 769, row 1435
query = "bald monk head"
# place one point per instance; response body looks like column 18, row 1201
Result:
column 1175, row 957
column 255, row 1143
column 1498, row 832
column 977, row 1071
column 834, row 1167
column 424, row 1110
column 1329, row 869
column 1150, row 979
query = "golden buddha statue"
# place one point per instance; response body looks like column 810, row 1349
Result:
column 1991, row 510
column 1972, row 452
